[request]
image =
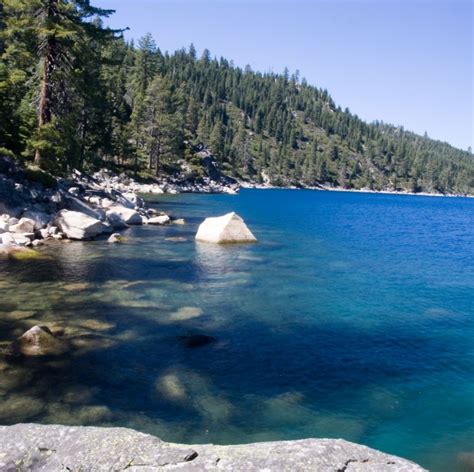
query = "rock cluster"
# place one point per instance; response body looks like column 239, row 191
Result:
column 80, row 208
column 32, row 447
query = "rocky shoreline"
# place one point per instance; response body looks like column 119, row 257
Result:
column 328, row 188
column 54, row 448
column 35, row 208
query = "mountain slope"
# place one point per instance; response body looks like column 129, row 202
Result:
column 277, row 127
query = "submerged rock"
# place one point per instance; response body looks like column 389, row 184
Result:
column 116, row 238
column 171, row 387
column 39, row 341
column 56, row 448
column 197, row 340
column 77, row 225
column 18, row 253
column 229, row 228
column 186, row 313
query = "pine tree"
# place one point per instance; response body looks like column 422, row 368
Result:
column 57, row 32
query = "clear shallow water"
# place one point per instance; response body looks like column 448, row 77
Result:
column 352, row 317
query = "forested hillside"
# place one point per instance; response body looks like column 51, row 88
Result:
column 74, row 94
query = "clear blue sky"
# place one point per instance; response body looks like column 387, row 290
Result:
column 404, row 62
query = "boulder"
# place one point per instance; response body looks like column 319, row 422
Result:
column 75, row 204
column 33, row 447
column 25, row 225
column 159, row 220
column 116, row 221
column 18, row 253
column 77, row 225
column 39, row 218
column 43, row 233
column 4, row 226
column 39, row 341
column 229, row 228
column 115, row 238
column 128, row 215
column 179, row 221
column 7, row 238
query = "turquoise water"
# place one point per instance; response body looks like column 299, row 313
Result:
column 352, row 317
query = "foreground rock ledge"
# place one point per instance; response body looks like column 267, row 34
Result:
column 32, row 447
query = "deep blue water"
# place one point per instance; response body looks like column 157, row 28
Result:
column 351, row 317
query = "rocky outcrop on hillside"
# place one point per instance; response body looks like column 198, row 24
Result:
column 32, row 447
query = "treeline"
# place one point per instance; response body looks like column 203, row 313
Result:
column 74, row 94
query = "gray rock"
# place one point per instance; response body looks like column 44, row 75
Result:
column 25, row 225
column 128, row 215
column 53, row 448
column 39, row 218
column 22, row 239
column 115, row 238
column 229, row 228
column 44, row 233
column 75, row 204
column 116, row 221
column 39, row 341
column 76, row 225
column 7, row 238
column 74, row 191
column 159, row 220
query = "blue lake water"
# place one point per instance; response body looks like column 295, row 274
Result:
column 351, row 317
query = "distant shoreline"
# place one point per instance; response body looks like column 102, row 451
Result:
column 363, row 190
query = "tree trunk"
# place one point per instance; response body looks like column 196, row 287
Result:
column 44, row 110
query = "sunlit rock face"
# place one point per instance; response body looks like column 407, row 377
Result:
column 229, row 228
column 56, row 448
column 128, row 215
column 77, row 225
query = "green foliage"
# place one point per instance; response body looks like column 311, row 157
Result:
column 132, row 107
column 35, row 174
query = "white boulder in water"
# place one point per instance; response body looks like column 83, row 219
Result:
column 77, row 225
column 229, row 228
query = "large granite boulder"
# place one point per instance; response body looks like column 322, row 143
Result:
column 75, row 204
column 229, row 228
column 77, row 225
column 128, row 215
column 53, row 448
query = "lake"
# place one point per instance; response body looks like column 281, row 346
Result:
column 351, row 317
